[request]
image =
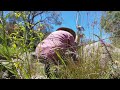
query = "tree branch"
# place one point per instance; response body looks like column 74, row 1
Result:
column 39, row 22
column 35, row 24
column 29, row 17
column 39, row 13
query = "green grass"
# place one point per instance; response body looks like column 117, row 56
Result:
column 84, row 68
column 16, row 57
column 23, row 66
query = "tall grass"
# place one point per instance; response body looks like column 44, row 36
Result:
column 17, row 59
column 16, row 56
column 84, row 68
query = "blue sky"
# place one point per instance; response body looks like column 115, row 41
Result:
column 86, row 18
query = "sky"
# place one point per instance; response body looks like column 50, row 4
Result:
column 86, row 19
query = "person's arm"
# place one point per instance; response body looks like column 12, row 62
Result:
column 72, row 44
column 77, row 39
column 78, row 36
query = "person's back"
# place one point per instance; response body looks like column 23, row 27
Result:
column 57, row 40
column 61, row 40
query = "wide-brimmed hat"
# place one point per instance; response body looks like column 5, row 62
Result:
column 68, row 30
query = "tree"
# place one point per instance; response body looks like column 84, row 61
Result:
column 110, row 22
column 32, row 21
column 35, row 19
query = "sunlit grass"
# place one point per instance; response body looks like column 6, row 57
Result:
column 17, row 59
column 84, row 68
column 24, row 66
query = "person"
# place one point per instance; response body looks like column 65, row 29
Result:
column 58, row 41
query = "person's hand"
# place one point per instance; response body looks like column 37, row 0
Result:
column 80, row 28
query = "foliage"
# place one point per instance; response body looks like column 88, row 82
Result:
column 19, row 37
column 110, row 22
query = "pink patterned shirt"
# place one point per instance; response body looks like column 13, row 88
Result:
column 56, row 40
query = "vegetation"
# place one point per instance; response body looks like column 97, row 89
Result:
column 110, row 22
column 18, row 38
column 20, row 33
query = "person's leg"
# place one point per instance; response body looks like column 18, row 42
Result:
column 47, row 69
column 46, row 63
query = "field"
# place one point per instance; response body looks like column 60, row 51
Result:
column 18, row 60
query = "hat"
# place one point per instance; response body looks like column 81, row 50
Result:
column 68, row 30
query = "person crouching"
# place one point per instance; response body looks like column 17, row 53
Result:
column 58, row 41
